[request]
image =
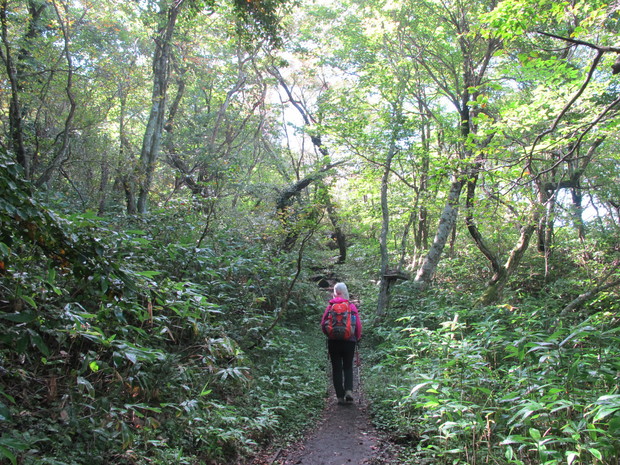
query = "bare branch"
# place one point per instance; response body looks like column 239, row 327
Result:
column 600, row 48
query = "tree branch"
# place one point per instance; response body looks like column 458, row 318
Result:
column 592, row 292
column 600, row 51
column 601, row 48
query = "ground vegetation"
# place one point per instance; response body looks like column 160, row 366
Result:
column 181, row 181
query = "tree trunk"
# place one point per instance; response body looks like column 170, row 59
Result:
column 15, row 113
column 500, row 278
column 546, row 230
column 446, row 224
column 63, row 152
column 473, row 228
column 383, row 301
column 577, row 198
column 338, row 234
column 501, row 272
column 318, row 144
column 588, row 295
column 405, row 239
column 285, row 202
column 103, row 185
column 161, row 77
column 130, row 195
column 126, row 171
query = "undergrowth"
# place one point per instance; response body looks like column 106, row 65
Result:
column 123, row 343
column 459, row 384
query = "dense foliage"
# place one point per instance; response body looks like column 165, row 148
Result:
column 176, row 177
column 512, row 383
column 165, row 357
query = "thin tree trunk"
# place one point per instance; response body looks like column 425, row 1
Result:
column 446, row 224
column 405, row 239
column 583, row 298
column 284, row 203
column 161, row 76
column 63, row 153
column 547, row 232
column 501, row 272
column 318, row 144
column 15, row 113
column 103, row 185
column 126, row 169
column 339, row 235
column 500, row 278
column 383, row 301
column 422, row 225
column 577, row 198
column 473, row 228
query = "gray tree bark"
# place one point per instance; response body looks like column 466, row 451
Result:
column 161, row 77
column 383, row 301
column 63, row 152
column 446, row 224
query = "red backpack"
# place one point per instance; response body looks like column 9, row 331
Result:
column 340, row 322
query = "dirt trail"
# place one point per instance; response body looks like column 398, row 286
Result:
column 344, row 436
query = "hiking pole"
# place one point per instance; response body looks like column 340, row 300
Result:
column 327, row 368
column 358, row 365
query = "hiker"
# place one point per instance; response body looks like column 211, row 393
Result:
column 342, row 326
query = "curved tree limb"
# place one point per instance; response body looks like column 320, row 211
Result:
column 63, row 153
column 600, row 51
column 581, row 299
column 285, row 199
column 601, row 48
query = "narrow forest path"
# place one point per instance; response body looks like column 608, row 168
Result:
column 344, row 435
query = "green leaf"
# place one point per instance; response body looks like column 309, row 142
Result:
column 580, row 331
column 7, row 396
column 23, row 317
column 4, row 452
column 4, row 249
column 205, row 391
column 36, row 339
column 22, row 343
column 514, row 439
column 51, row 275
column 13, row 443
column 143, row 407
column 141, row 240
column 29, row 300
column 149, row 274
column 81, row 381
column 571, row 457
column 5, row 413
column 596, row 453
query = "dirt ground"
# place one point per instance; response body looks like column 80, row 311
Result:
column 344, row 436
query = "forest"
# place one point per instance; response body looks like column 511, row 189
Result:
column 180, row 178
